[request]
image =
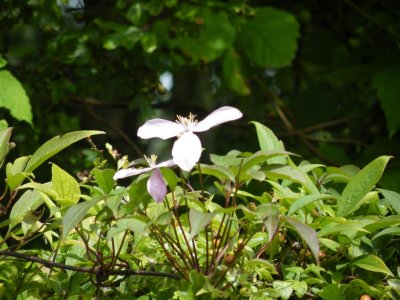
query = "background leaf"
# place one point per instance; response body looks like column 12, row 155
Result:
column 14, row 98
column 387, row 85
column 270, row 39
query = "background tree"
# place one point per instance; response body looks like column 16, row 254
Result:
column 325, row 74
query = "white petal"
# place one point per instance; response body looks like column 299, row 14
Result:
column 123, row 173
column 160, row 128
column 168, row 163
column 156, row 186
column 187, row 151
column 219, row 116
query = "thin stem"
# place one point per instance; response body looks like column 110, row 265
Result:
column 52, row 264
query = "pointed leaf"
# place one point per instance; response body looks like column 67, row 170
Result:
column 360, row 185
column 5, row 145
column 55, row 145
column 220, row 172
column 392, row 198
column 14, row 172
column 307, row 233
column 75, row 214
column 66, row 187
column 268, row 141
column 304, row 201
column 388, row 231
column 198, row 221
column 28, row 202
column 284, row 172
column 383, row 223
column 104, row 178
column 262, row 157
column 372, row 263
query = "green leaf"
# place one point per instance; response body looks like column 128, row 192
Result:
column 14, row 98
column 104, row 178
column 304, row 201
column 5, row 144
column 40, row 187
column 387, row 84
column 372, row 263
column 214, row 36
column 268, row 141
column 261, row 157
column 55, row 145
column 387, row 231
column 66, row 187
column 76, row 214
column 137, row 224
column 308, row 234
column 332, row 292
column 233, row 74
column 198, row 221
column 270, row 39
column 383, row 223
column 3, row 62
column 14, row 172
column 360, row 185
column 28, row 202
column 220, row 172
column 392, row 198
column 284, row 172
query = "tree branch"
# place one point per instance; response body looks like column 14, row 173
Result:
column 97, row 271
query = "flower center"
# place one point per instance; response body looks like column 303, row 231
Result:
column 151, row 160
column 187, row 122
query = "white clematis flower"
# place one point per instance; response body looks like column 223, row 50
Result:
column 155, row 185
column 187, row 148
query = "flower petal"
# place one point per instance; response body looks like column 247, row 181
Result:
column 123, row 173
column 219, row 116
column 187, row 151
column 168, row 163
column 160, row 128
column 156, row 186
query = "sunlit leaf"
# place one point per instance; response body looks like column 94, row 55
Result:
column 28, row 202
column 392, row 198
column 305, row 200
column 383, row 223
column 104, row 178
column 198, row 221
column 75, row 214
column 220, row 172
column 55, row 145
column 268, row 141
column 66, row 186
column 360, row 185
column 5, row 145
